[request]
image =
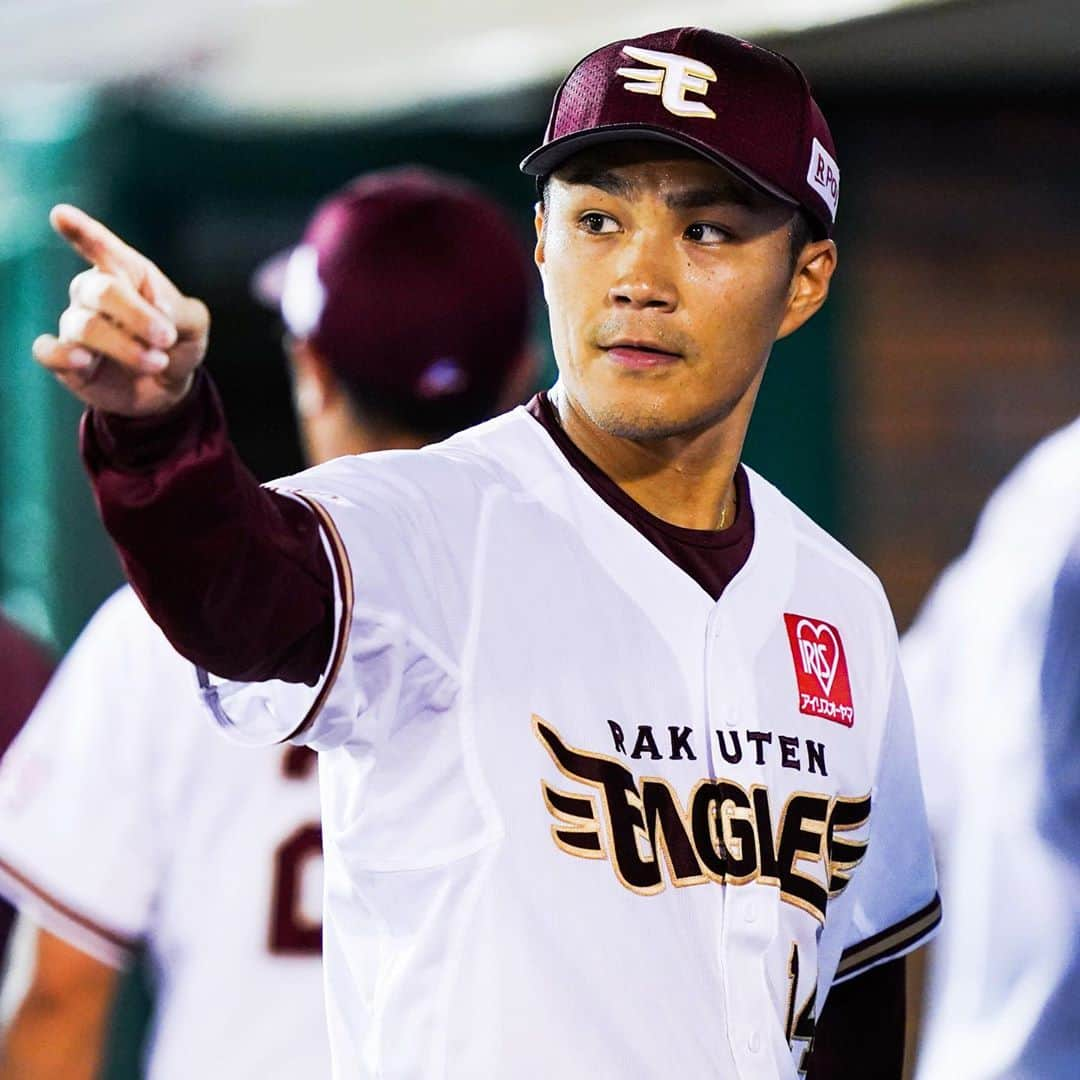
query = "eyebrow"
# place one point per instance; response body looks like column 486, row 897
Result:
column 604, row 179
column 719, row 195
column 733, row 194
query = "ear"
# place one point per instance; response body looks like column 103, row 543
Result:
column 538, row 223
column 315, row 387
column 809, row 284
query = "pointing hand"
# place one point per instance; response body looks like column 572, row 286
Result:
column 129, row 342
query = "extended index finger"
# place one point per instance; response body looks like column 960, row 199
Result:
column 96, row 243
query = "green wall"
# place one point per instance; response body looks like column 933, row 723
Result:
column 54, row 563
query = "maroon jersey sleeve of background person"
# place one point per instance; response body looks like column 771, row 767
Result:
column 233, row 573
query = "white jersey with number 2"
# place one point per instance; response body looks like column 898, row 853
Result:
column 127, row 821
column 580, row 820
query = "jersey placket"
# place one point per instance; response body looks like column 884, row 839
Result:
column 729, row 703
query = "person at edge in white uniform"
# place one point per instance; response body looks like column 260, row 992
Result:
column 125, row 819
column 617, row 767
column 1003, row 989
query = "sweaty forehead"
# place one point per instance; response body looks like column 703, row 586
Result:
column 632, row 170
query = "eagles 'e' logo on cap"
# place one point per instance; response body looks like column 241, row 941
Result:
column 671, row 78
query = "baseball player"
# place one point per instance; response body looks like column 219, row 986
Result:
column 1004, row 982
column 617, row 766
column 126, row 821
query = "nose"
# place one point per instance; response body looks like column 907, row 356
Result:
column 643, row 280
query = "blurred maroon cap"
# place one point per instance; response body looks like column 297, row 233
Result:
column 742, row 106
column 413, row 286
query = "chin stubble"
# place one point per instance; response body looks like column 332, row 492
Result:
column 649, row 423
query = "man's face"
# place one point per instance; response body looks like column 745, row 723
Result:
column 667, row 280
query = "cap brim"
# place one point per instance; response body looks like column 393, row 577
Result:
column 546, row 159
column 268, row 281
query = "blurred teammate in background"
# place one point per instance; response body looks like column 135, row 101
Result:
column 1004, row 991
column 25, row 669
column 1059, row 811
column 121, row 827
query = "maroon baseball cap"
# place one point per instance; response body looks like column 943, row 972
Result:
column 413, row 286
column 735, row 103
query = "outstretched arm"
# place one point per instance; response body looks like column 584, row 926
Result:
column 234, row 574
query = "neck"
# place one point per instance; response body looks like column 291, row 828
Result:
column 686, row 480
column 338, row 432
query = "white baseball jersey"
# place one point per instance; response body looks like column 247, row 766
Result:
column 126, row 820
column 581, row 820
column 1006, row 973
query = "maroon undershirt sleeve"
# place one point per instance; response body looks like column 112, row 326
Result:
column 860, row 1032
column 233, row 573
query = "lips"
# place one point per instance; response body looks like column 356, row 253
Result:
column 639, row 354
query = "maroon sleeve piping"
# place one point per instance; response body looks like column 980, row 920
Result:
column 343, row 573
column 121, row 941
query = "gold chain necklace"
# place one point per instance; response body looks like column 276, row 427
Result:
column 724, row 512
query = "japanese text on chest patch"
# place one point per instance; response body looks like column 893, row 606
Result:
column 725, row 834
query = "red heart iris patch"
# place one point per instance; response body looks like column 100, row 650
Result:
column 821, row 669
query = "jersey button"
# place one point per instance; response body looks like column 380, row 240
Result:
column 754, row 1042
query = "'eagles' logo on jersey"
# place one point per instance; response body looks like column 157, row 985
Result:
column 725, row 834
column 821, row 669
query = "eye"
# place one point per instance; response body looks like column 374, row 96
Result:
column 701, row 232
column 597, row 223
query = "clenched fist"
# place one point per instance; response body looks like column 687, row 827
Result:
column 129, row 342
